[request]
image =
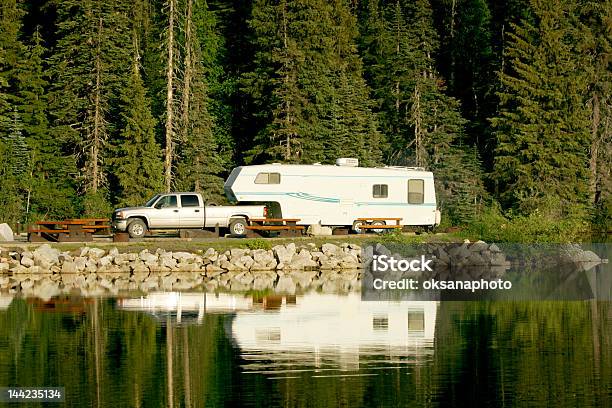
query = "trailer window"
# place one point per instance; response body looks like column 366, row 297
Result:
column 416, row 191
column 380, row 191
column 190, row 201
column 267, row 178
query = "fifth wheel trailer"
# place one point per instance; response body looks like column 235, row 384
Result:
column 337, row 195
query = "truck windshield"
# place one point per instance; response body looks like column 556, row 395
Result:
column 152, row 200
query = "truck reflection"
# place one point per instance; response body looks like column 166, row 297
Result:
column 186, row 307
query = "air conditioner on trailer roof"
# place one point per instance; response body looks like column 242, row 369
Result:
column 347, row 161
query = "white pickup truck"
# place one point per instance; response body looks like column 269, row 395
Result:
column 182, row 211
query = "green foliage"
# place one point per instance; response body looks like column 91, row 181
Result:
column 90, row 68
column 259, row 243
column 542, row 127
column 137, row 156
column 312, row 104
column 97, row 205
column 545, row 224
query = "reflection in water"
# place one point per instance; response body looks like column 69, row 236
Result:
column 320, row 329
column 197, row 349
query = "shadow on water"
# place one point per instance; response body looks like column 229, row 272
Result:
column 202, row 349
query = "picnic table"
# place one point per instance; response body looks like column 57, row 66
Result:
column 71, row 230
column 284, row 226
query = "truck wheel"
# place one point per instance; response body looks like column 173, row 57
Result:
column 238, row 226
column 137, row 228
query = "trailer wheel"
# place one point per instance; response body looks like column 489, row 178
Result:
column 357, row 226
column 137, row 228
column 238, row 226
column 378, row 230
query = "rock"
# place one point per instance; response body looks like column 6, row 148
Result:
column 183, row 256
column 147, row 257
column 6, row 233
column 479, row 246
column 113, row 252
column 318, row 230
column 328, row 249
column 27, row 262
column 476, row 259
column 284, row 253
column 95, row 253
column 84, row 251
column 105, row 261
column 349, row 262
column 302, row 260
column 213, row 270
column 285, row 285
column 45, row 256
column 494, row 248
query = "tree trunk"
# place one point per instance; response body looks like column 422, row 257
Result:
column 188, row 71
column 418, row 131
column 594, row 148
column 286, row 84
column 169, row 152
column 98, row 120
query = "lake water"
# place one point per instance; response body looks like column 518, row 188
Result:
column 171, row 349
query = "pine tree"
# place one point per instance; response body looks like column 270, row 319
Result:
column 306, row 70
column 90, row 66
column 423, row 124
column 542, row 126
column 49, row 191
column 137, row 161
column 198, row 166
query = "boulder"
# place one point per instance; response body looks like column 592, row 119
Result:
column 318, row 230
column 27, row 262
column 95, row 253
column 330, row 249
column 6, row 233
column 147, row 257
column 45, row 256
column 183, row 256
column 284, row 253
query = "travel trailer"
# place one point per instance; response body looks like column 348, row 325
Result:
column 338, row 195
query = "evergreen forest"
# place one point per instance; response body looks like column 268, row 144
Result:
column 104, row 103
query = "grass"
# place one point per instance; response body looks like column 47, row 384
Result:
column 221, row 245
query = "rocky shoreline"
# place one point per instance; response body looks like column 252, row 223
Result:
column 89, row 271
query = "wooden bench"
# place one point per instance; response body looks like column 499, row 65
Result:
column 48, row 231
